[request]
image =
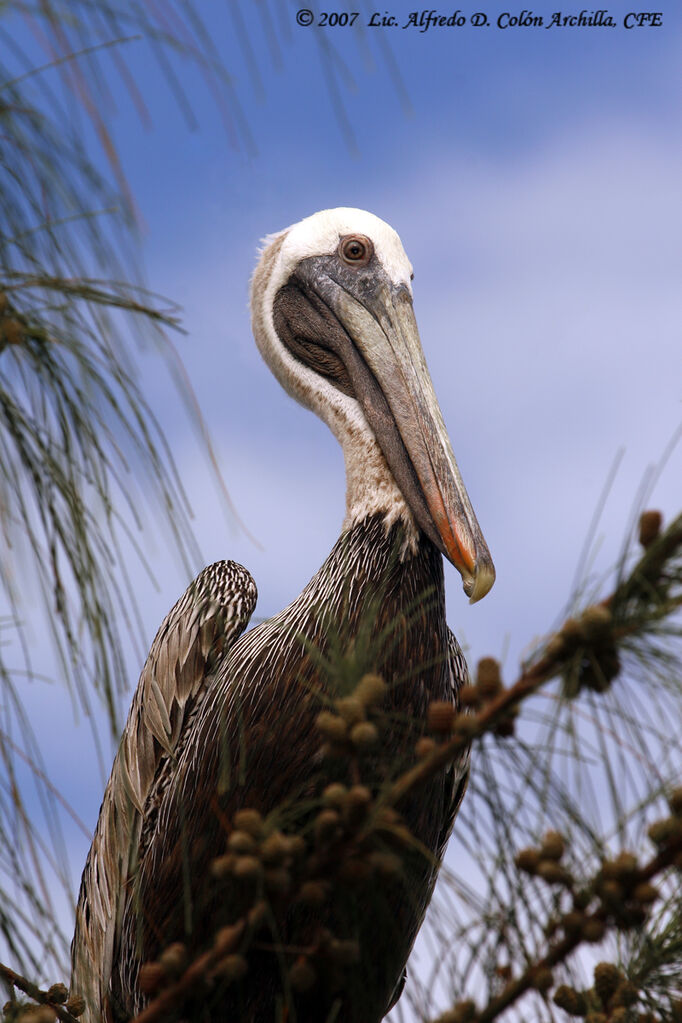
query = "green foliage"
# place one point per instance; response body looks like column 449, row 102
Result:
column 75, row 428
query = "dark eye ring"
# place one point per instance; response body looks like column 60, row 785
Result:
column 356, row 250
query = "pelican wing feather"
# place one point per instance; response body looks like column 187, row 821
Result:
column 188, row 648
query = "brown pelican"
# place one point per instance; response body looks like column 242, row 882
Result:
column 222, row 720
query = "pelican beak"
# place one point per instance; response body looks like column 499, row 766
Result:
column 390, row 380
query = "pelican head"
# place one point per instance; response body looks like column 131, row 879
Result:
column 332, row 315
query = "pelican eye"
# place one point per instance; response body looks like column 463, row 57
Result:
column 356, row 250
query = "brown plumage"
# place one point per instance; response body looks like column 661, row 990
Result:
column 221, row 721
column 262, row 708
column 187, row 649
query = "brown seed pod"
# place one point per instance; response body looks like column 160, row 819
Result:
column 466, row 725
column 314, row 893
column 257, row 915
column 645, row 893
column 75, row 1005
column 629, row 916
column 12, row 332
column 227, row 938
column 275, row 848
column 555, row 647
column 650, row 523
column 553, row 846
column 370, row 690
column 302, row 976
column 675, row 801
column 465, row 1011
column 297, row 846
column 582, row 898
column 542, row 979
column 626, row 994
column 232, row 968
column 174, row 958
column 573, row 921
column 570, row 632
column 331, row 725
column 356, row 805
column 57, row 994
column 364, row 734
column 151, row 977
column 247, row 868
column 326, row 825
column 593, row 929
column 624, row 865
column 595, row 623
column 37, row 1014
column 350, row 709
column 553, row 873
column 571, row 1001
column 250, row 821
column 609, row 663
column 461, row 1013
column 358, row 795
column 591, row 675
column 469, row 696
column 664, row 831
column 241, row 842
column 607, row 977
column 611, row 891
column 505, row 728
column 528, row 860
column 335, row 795
column 424, row 747
column 221, row 866
column 488, row 678
column 440, row 717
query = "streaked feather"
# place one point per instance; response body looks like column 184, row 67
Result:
column 201, row 627
column 260, row 701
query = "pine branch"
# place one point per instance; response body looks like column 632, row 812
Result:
column 352, row 833
column 55, row 998
column 623, row 908
column 651, row 592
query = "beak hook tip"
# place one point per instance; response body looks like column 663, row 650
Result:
column 480, row 582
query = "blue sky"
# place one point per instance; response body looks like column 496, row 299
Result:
column 534, row 185
column 533, row 176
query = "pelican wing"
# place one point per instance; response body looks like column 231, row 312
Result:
column 187, row 650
